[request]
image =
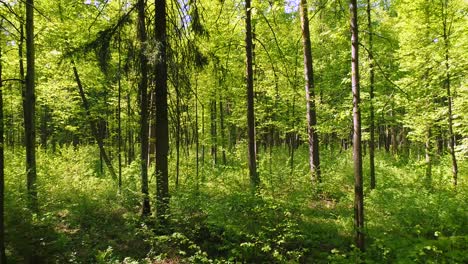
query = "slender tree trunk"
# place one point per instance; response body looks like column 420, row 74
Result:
column 130, row 148
column 162, row 129
column 222, row 128
column 178, row 133
column 143, row 87
column 428, row 152
column 314, row 158
column 2, row 170
column 30, row 107
column 119, row 110
column 371, row 95
column 94, row 128
column 213, row 131
column 452, row 138
column 254, row 178
column 197, row 138
column 357, row 154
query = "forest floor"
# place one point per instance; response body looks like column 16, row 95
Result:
column 215, row 219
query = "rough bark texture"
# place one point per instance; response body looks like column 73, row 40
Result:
column 161, row 122
column 371, row 95
column 314, row 158
column 254, row 178
column 30, row 107
column 357, row 154
column 143, row 88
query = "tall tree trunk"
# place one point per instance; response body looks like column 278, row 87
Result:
column 143, row 88
column 452, row 138
column 119, row 119
column 371, row 95
column 213, row 131
column 162, row 129
column 30, row 107
column 428, row 152
column 357, row 154
column 93, row 125
column 254, row 178
column 314, row 158
column 2, row 170
column 222, row 128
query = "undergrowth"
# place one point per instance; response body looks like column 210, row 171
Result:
column 83, row 218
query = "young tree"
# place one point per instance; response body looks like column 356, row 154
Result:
column 371, row 98
column 357, row 153
column 254, row 178
column 161, row 122
column 2, row 170
column 314, row 158
column 143, row 89
column 30, row 103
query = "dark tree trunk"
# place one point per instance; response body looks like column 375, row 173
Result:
column 223, row 134
column 254, row 178
column 93, row 125
column 30, row 107
column 119, row 120
column 162, row 129
column 213, row 131
column 143, row 90
column 357, row 154
column 314, row 158
column 130, row 148
column 2, row 171
column 452, row 138
column 371, row 95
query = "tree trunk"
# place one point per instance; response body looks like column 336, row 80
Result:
column 213, row 131
column 2, row 170
column 30, row 107
column 371, row 95
column 254, row 178
column 94, row 128
column 357, row 155
column 162, row 129
column 428, row 152
column 143, row 88
column 452, row 138
column 222, row 128
column 314, row 158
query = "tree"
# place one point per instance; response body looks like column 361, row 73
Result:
column 161, row 122
column 357, row 153
column 254, row 178
column 314, row 158
column 371, row 99
column 29, row 107
column 143, row 90
column 2, row 169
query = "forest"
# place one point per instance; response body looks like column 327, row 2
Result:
column 225, row 131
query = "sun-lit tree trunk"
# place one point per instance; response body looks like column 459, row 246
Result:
column 143, row 88
column 371, row 98
column 314, row 158
column 254, row 178
column 2, row 169
column 161, row 123
column 357, row 153
column 30, row 107
column 449, row 94
column 428, row 153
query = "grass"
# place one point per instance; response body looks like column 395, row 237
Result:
column 84, row 219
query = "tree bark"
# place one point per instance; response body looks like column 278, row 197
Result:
column 357, row 154
column 162, row 129
column 254, row 178
column 314, row 158
column 143, row 90
column 30, row 107
column 371, row 98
